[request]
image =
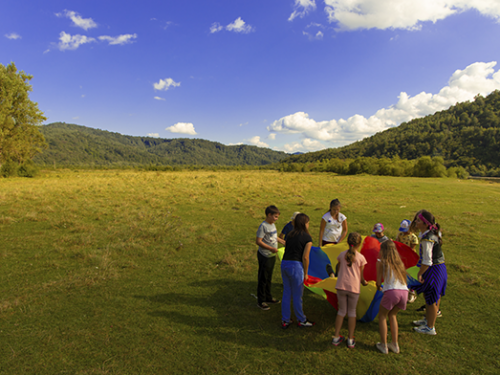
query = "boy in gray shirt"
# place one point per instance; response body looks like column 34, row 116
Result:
column 267, row 240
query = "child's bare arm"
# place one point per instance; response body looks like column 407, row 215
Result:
column 363, row 281
column 261, row 243
column 380, row 269
column 281, row 241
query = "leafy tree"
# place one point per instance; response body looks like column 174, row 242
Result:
column 20, row 138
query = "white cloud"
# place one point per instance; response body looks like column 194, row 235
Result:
column 66, row 41
column 302, row 7
column 154, row 135
column 304, row 146
column 158, row 98
column 401, row 14
column 183, row 128
column 318, row 36
column 272, row 136
column 121, row 39
column 216, row 27
column 257, row 142
column 84, row 23
column 165, row 84
column 463, row 85
column 13, row 36
column 238, row 26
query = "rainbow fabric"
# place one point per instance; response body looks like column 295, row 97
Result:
column 320, row 283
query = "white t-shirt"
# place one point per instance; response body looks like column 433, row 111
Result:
column 390, row 282
column 333, row 228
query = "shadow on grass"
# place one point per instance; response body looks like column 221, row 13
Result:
column 225, row 310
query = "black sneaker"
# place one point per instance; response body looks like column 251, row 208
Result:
column 273, row 301
column 263, row 306
column 285, row 325
column 421, row 308
column 307, row 323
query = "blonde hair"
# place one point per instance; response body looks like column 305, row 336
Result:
column 391, row 261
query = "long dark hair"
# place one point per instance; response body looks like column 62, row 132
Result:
column 354, row 240
column 299, row 225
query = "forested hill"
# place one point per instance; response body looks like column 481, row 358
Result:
column 467, row 135
column 79, row 145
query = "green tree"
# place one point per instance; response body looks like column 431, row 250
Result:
column 20, row 138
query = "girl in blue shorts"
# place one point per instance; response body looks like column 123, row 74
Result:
column 391, row 268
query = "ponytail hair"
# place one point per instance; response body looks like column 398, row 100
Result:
column 353, row 240
column 430, row 221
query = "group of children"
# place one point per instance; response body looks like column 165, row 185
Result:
column 391, row 272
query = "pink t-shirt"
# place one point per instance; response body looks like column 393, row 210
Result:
column 350, row 277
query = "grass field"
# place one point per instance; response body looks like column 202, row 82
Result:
column 128, row 272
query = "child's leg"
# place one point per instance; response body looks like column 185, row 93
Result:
column 382, row 324
column 352, row 302
column 269, row 277
column 431, row 314
column 342, row 305
column 351, row 325
column 338, row 325
column 261, row 278
column 393, row 321
column 287, row 293
column 297, row 284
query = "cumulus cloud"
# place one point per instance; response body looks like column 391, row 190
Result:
column 216, row 27
column 257, row 142
column 159, row 98
column 72, row 42
column 165, row 84
column 154, row 135
column 84, row 23
column 305, row 146
column 272, row 136
column 13, row 36
column 463, row 85
column 401, row 14
column 120, row 39
column 237, row 26
column 182, row 128
column 301, row 8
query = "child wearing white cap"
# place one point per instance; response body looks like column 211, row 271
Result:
column 406, row 236
column 410, row 239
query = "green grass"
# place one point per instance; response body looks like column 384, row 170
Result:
column 106, row 272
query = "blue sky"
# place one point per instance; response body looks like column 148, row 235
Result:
column 291, row 75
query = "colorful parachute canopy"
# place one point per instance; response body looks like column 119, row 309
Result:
column 320, row 283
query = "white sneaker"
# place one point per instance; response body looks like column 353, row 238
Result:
column 421, row 322
column 426, row 330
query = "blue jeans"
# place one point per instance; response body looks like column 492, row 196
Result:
column 292, row 273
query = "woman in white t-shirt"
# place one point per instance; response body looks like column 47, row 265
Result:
column 333, row 228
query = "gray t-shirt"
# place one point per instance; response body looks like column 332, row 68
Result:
column 269, row 236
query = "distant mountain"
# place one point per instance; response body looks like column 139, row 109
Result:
column 71, row 144
column 467, row 134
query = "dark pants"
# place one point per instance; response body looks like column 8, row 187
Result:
column 265, row 276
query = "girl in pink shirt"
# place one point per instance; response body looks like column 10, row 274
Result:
column 350, row 268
